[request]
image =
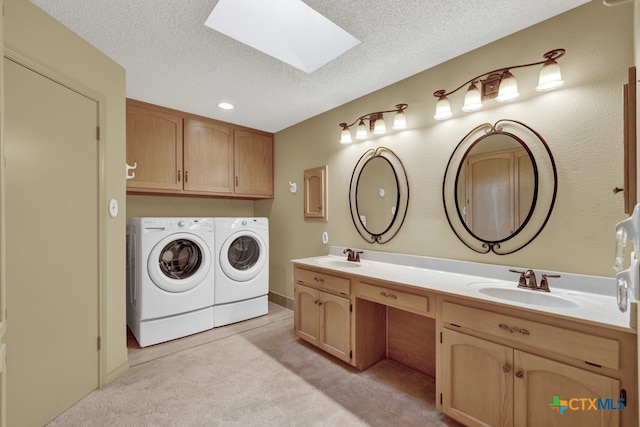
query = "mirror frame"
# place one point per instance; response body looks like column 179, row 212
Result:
column 402, row 188
column 545, row 175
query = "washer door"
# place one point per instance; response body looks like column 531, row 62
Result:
column 243, row 256
column 179, row 262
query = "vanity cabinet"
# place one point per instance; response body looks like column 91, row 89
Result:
column 323, row 311
column 181, row 154
column 490, row 376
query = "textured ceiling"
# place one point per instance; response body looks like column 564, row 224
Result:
column 172, row 59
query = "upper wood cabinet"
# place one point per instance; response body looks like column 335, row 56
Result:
column 154, row 145
column 181, row 154
column 253, row 154
column 208, row 157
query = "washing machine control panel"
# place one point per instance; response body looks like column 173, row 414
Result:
column 151, row 225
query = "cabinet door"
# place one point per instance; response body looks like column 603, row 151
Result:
column 544, row 387
column 477, row 384
column 315, row 193
column 253, row 163
column 335, row 326
column 154, row 144
column 208, row 157
column 307, row 314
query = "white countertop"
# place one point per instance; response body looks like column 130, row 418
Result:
column 595, row 303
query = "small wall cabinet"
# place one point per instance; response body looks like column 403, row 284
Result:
column 323, row 312
column 181, row 154
column 315, row 193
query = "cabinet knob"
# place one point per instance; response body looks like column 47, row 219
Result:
column 506, row 369
column 520, row 374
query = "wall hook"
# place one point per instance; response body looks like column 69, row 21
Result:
column 128, row 168
column 293, row 187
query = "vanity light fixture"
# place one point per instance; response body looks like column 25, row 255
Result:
column 375, row 125
column 501, row 85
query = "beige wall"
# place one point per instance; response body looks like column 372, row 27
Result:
column 36, row 35
column 186, row 207
column 581, row 122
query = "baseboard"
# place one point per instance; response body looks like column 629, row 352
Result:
column 114, row 373
column 281, row 300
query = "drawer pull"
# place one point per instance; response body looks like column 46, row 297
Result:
column 506, row 369
column 316, row 302
column 513, row 329
column 520, row 374
column 318, row 279
column 386, row 295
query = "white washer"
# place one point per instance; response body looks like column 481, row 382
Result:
column 170, row 278
column 242, row 269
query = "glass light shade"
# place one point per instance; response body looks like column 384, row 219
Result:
column 508, row 90
column 345, row 136
column 473, row 99
column 550, row 76
column 399, row 121
column 443, row 109
column 380, row 126
column 361, row 130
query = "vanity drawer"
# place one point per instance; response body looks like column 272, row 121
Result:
column 394, row 298
column 577, row 345
column 324, row 281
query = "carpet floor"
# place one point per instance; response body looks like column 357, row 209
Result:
column 255, row 373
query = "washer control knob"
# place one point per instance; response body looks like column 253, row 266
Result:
column 181, row 224
column 244, row 222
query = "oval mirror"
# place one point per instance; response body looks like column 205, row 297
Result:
column 378, row 195
column 499, row 187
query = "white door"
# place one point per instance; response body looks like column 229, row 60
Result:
column 52, row 180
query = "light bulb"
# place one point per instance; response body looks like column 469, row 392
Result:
column 379, row 126
column 361, row 130
column 443, row 109
column 473, row 99
column 345, row 136
column 550, row 76
column 399, row 121
column 508, row 90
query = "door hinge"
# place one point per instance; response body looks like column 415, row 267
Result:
column 440, row 337
column 98, row 133
column 441, row 398
column 623, row 398
column 350, row 308
column 99, row 343
column 350, row 354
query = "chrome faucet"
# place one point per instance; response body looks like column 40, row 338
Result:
column 352, row 255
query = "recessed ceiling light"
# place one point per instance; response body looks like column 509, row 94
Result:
column 225, row 106
column 288, row 30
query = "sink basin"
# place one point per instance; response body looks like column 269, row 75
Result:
column 338, row 263
column 524, row 296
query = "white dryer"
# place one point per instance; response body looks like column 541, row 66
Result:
column 170, row 276
column 242, row 269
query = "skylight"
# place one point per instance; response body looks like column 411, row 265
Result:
column 287, row 30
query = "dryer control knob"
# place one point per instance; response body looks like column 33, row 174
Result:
column 181, row 224
column 244, row 222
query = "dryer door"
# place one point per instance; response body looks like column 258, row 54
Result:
column 243, row 256
column 179, row 262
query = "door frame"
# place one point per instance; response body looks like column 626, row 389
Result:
column 28, row 62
